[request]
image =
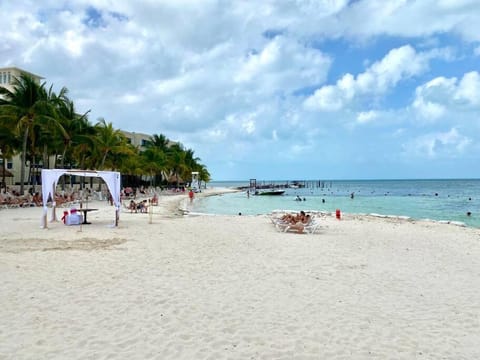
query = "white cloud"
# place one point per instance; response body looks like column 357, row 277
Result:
column 367, row 116
column 468, row 89
column 274, row 135
column 399, row 64
column 282, row 65
column 248, row 126
column 74, row 43
column 434, row 98
column 429, row 110
column 410, row 18
column 327, row 98
column 446, row 144
column 130, row 99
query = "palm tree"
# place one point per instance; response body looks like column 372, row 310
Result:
column 54, row 129
column 28, row 105
column 75, row 126
column 155, row 157
column 9, row 142
column 159, row 141
column 109, row 141
column 203, row 174
column 176, row 162
column 83, row 142
column 190, row 159
column 191, row 163
column 77, row 135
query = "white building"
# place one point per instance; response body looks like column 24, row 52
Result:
column 8, row 74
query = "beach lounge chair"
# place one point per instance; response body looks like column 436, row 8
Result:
column 310, row 227
column 130, row 206
column 277, row 220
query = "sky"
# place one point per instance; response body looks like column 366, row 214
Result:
column 271, row 89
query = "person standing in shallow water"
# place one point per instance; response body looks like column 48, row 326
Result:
column 191, row 195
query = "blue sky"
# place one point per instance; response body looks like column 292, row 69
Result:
column 327, row 89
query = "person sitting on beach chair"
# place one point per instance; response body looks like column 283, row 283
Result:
column 37, row 199
column 301, row 223
column 142, row 206
column 132, row 206
column 293, row 219
column 288, row 220
column 297, row 222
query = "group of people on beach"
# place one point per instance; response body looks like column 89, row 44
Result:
column 297, row 221
column 11, row 198
column 141, row 206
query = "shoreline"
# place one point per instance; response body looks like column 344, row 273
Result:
column 185, row 210
column 233, row 287
column 178, row 205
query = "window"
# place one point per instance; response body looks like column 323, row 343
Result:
column 129, row 140
column 9, row 165
column 144, row 142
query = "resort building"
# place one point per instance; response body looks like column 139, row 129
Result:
column 8, row 74
column 140, row 140
column 137, row 139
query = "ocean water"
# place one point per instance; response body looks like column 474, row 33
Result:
column 443, row 200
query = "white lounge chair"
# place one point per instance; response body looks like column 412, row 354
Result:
column 309, row 228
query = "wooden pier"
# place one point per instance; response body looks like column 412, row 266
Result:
column 288, row 184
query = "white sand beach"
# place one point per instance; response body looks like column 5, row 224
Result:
column 233, row 287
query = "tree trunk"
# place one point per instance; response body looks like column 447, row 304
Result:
column 103, row 160
column 4, row 183
column 62, row 165
column 32, row 180
column 45, row 157
column 23, row 159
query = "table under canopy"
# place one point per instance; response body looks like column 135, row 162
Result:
column 50, row 179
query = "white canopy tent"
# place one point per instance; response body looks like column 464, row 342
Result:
column 50, row 179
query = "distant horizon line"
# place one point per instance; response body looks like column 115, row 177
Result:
column 371, row 179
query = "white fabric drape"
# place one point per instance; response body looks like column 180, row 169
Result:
column 50, row 179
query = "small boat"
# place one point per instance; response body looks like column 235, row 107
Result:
column 269, row 192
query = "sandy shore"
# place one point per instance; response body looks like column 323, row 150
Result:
column 233, row 287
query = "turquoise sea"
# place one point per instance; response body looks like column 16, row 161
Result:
column 447, row 200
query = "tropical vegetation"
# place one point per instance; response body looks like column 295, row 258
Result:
column 41, row 125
